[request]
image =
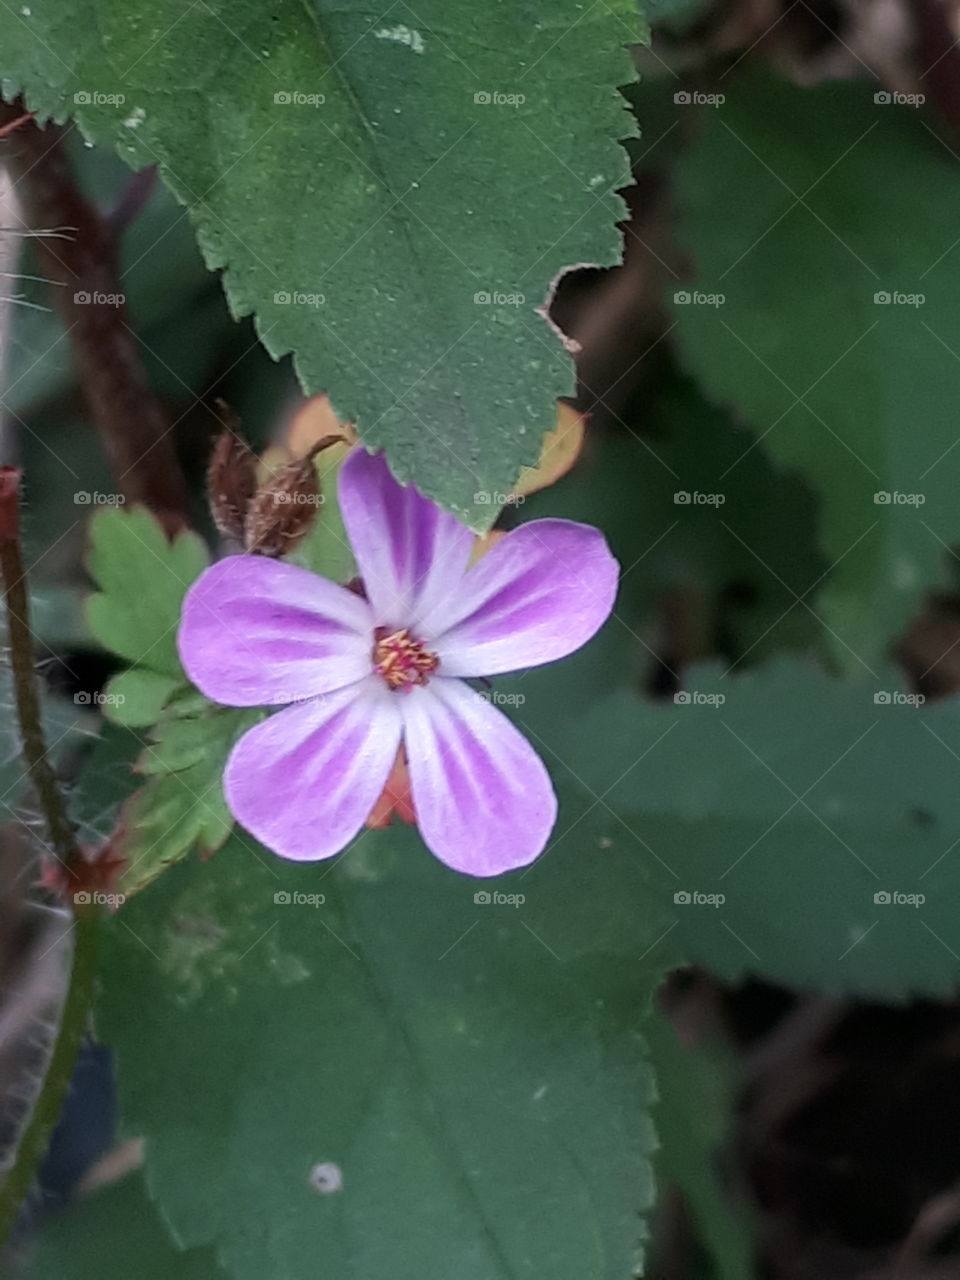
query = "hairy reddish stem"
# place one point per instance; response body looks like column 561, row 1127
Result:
column 42, row 776
column 33, row 1141
column 87, row 292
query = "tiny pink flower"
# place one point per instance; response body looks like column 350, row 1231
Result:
column 368, row 673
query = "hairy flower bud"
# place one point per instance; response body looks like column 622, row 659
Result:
column 284, row 509
column 231, row 483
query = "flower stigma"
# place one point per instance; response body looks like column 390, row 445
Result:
column 402, row 659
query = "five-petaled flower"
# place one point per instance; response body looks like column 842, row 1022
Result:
column 367, row 672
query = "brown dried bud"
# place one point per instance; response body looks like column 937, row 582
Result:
column 231, row 483
column 284, row 509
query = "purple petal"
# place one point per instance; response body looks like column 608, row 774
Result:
column 484, row 800
column 540, row 593
column 305, row 781
column 256, row 632
column 410, row 554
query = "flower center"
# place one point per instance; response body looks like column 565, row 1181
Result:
column 402, row 659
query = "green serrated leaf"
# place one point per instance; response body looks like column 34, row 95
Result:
column 469, row 1071
column 187, row 700
column 136, row 698
column 183, row 742
column 344, row 169
column 856, row 387
column 182, row 806
column 143, row 578
column 165, row 820
column 798, row 798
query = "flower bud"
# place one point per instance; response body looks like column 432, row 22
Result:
column 283, row 510
column 231, row 483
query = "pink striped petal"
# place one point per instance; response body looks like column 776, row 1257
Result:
column 257, row 632
column 483, row 799
column 304, row 781
column 538, row 595
column 411, row 555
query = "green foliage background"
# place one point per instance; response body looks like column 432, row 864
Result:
column 490, row 1080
